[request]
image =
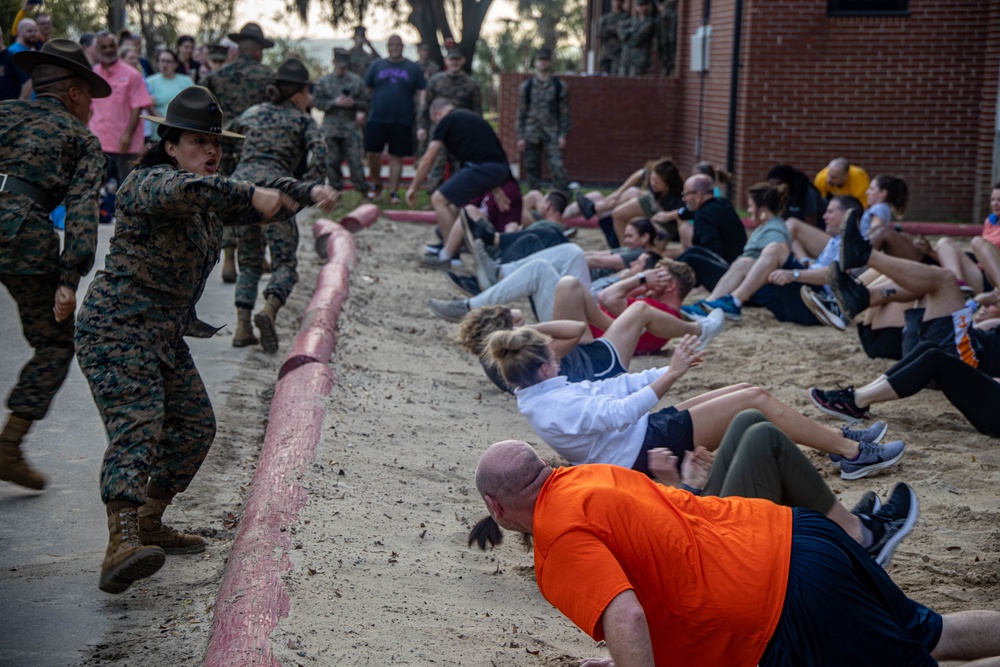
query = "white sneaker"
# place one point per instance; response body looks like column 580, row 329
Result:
column 711, row 325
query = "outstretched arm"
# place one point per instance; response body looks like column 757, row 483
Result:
column 626, row 632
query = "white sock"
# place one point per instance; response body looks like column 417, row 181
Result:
column 444, row 255
column 739, row 304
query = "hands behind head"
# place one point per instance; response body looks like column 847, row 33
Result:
column 658, row 278
column 325, row 196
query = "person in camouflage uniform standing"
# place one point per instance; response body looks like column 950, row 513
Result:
column 666, row 35
column 280, row 134
column 343, row 98
column 361, row 59
column 543, row 122
column 429, row 68
column 636, row 34
column 49, row 156
column 458, row 86
column 611, row 44
column 130, row 330
column 238, row 86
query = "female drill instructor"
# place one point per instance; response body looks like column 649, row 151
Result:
column 160, row 423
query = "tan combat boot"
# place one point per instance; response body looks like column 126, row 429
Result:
column 229, row 265
column 13, row 467
column 243, row 336
column 153, row 532
column 265, row 323
column 126, row 559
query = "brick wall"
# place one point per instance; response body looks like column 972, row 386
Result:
column 618, row 124
column 912, row 96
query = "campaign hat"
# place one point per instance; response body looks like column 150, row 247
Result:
column 67, row 54
column 196, row 109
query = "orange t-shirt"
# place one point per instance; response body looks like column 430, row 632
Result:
column 709, row 572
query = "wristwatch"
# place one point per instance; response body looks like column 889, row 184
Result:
column 642, row 278
column 796, row 274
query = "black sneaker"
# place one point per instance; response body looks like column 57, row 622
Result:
column 838, row 402
column 822, row 307
column 467, row 284
column 587, row 208
column 852, row 297
column 854, row 249
column 892, row 522
column 475, row 229
column 869, row 504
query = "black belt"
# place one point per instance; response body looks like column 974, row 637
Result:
column 13, row 184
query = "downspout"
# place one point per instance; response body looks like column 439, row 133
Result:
column 734, row 79
column 706, row 15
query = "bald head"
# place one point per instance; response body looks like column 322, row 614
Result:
column 836, row 171
column 507, row 470
column 697, row 190
column 27, row 32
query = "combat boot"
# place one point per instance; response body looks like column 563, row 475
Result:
column 153, row 532
column 243, row 336
column 229, row 265
column 126, row 559
column 265, row 323
column 13, row 467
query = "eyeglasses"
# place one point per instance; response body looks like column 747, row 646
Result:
column 687, row 194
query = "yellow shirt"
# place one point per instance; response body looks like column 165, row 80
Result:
column 856, row 185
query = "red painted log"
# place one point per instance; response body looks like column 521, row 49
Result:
column 361, row 217
column 253, row 598
column 406, row 215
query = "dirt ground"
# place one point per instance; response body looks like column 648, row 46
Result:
column 381, row 571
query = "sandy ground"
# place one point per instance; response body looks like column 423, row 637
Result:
column 381, row 571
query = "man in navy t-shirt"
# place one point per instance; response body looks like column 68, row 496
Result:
column 476, row 146
column 12, row 79
column 392, row 83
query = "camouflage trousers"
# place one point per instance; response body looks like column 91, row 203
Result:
column 436, row 176
column 533, row 165
column 347, row 148
column 227, row 165
column 51, row 341
column 159, row 419
column 283, row 240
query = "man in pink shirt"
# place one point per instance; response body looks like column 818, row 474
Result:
column 116, row 117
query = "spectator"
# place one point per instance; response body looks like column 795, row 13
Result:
column 362, row 59
column 135, row 41
column 164, row 86
column 840, row 177
column 636, row 34
column 26, row 37
column 44, row 23
column 88, row 41
column 116, row 117
column 611, row 44
column 130, row 56
column 429, row 67
column 804, row 200
column 543, row 122
column 187, row 63
column 392, row 84
column 217, row 55
column 342, row 98
column 12, row 80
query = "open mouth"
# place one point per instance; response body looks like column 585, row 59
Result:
column 211, row 166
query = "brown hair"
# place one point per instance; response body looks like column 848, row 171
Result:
column 897, row 195
column 681, row 272
column 480, row 323
column 518, row 354
column 771, row 197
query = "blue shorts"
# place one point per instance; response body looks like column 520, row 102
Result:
column 670, row 428
column 472, row 181
column 841, row 608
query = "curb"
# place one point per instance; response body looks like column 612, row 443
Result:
column 253, row 599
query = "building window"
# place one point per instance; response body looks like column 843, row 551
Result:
column 868, row 8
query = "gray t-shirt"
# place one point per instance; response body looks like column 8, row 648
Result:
column 772, row 231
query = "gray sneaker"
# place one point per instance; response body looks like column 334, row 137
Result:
column 892, row 522
column 487, row 270
column 453, row 310
column 872, row 434
column 711, row 325
column 871, row 457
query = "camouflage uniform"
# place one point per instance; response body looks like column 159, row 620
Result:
column 540, row 126
column 429, row 68
column 340, row 126
column 361, row 60
column 461, row 89
column 130, row 329
column 666, row 35
column 41, row 143
column 611, row 44
column 278, row 138
column 636, row 34
column 238, row 86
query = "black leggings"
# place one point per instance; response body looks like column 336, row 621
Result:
column 974, row 393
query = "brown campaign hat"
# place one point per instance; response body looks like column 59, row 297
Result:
column 293, row 71
column 67, row 54
column 195, row 108
column 251, row 31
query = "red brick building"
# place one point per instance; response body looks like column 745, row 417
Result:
column 911, row 93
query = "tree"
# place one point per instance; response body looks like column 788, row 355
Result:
column 70, row 18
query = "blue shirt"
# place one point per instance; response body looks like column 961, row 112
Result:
column 11, row 78
column 393, row 86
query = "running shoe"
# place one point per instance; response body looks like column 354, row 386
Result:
column 693, row 312
column 854, row 249
column 587, row 208
column 732, row 312
column 467, row 284
column 852, row 297
column 711, row 325
column 838, row 403
column 892, row 522
column 452, row 310
column 822, row 307
column 873, row 433
column 869, row 504
column 871, row 457
column 475, row 229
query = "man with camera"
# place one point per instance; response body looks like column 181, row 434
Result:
column 343, row 98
